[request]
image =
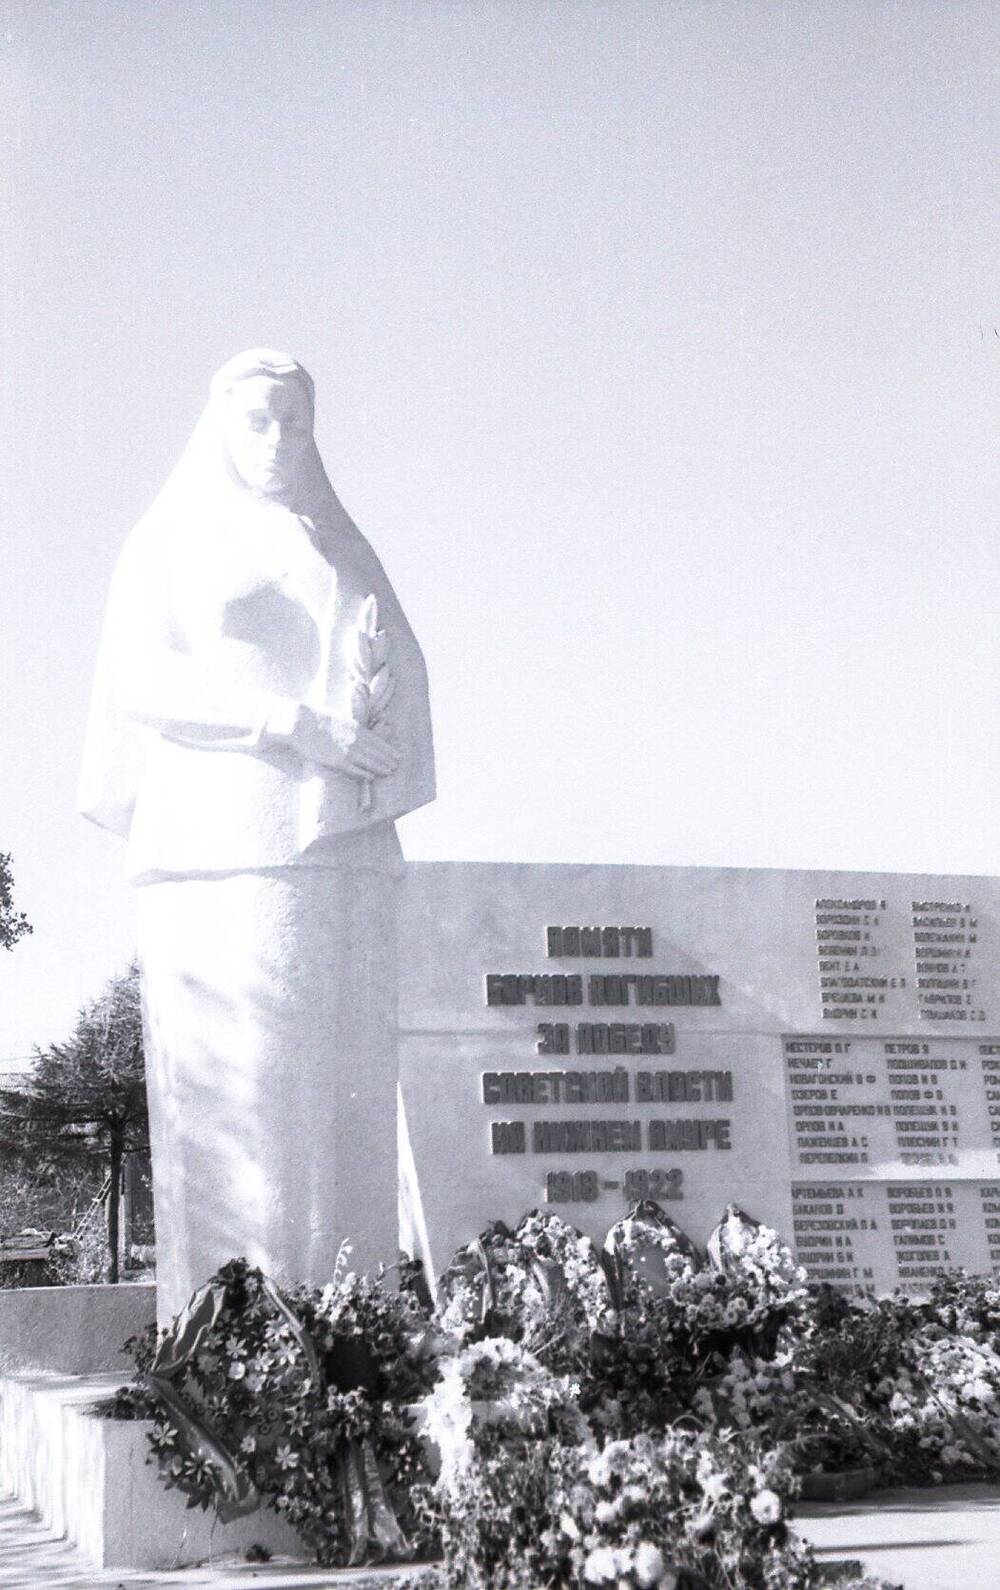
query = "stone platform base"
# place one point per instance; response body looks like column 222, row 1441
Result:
column 31, row 1555
column 941, row 1538
column 72, row 1330
column 88, row 1480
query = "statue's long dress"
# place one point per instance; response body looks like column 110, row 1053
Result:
column 265, row 890
column 269, row 1015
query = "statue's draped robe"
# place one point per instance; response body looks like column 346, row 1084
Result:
column 266, row 909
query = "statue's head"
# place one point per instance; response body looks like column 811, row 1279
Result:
column 264, row 404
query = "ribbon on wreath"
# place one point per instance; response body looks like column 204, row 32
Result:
column 476, row 1265
column 235, row 1493
column 373, row 1529
column 730, row 1239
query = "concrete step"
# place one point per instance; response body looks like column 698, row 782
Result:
column 89, row 1480
column 30, row 1554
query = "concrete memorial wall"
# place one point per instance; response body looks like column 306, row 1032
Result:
column 821, row 1048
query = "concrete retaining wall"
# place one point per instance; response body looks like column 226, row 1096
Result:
column 89, row 1480
column 71, row 1330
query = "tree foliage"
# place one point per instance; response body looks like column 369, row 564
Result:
column 85, row 1099
column 13, row 924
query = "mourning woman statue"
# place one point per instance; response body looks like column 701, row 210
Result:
column 260, row 717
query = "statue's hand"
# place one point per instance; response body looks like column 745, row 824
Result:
column 342, row 745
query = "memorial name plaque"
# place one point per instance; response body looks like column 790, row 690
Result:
column 821, row 1048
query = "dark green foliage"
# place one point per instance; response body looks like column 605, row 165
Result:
column 84, row 1102
column 13, row 924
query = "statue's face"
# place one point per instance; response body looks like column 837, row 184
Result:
column 266, row 427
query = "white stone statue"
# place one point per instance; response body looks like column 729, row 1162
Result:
column 260, row 717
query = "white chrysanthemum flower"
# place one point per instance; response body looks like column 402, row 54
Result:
column 766, row 1507
column 700, row 1524
column 714, row 1488
column 606, row 1512
column 600, row 1567
column 649, row 1564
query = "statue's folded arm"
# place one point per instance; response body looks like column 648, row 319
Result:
column 172, row 693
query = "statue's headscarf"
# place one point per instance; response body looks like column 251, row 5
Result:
column 202, row 494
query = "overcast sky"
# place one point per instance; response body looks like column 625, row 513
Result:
column 657, row 348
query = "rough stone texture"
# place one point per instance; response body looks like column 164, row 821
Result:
column 72, row 1330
